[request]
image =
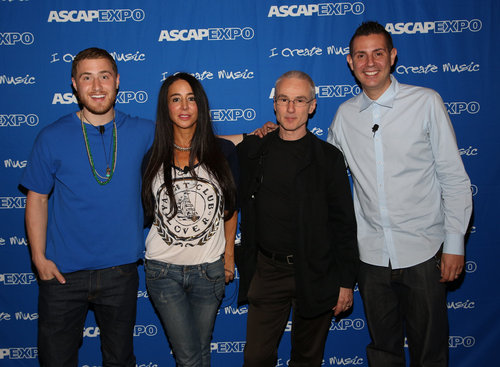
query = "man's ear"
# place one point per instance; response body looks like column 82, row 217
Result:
column 394, row 53
column 349, row 61
column 312, row 106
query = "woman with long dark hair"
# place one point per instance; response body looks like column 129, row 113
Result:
column 189, row 192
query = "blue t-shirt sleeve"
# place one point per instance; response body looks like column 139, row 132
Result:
column 39, row 174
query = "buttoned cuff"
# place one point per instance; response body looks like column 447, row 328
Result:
column 454, row 244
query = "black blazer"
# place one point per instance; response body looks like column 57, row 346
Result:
column 326, row 255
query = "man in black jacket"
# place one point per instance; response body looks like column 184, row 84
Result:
column 298, row 247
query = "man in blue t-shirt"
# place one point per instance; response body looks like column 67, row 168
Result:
column 84, row 218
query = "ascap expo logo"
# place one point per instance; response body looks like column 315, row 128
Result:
column 321, row 10
column 441, row 26
column 100, row 15
column 121, row 97
column 209, row 34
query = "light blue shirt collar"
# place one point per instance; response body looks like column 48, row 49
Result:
column 385, row 100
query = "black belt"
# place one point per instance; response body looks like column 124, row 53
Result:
column 286, row 259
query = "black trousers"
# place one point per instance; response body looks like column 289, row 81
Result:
column 272, row 296
column 410, row 300
column 62, row 309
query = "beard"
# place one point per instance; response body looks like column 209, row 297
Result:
column 98, row 108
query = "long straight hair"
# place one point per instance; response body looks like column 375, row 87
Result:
column 204, row 148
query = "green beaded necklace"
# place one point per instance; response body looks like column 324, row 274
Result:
column 109, row 172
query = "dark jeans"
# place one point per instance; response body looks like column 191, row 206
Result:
column 62, row 308
column 411, row 300
column 271, row 296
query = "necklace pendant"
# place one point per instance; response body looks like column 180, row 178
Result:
column 108, row 172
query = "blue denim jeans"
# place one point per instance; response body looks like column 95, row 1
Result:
column 187, row 299
column 62, row 308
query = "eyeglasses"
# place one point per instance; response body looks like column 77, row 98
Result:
column 297, row 102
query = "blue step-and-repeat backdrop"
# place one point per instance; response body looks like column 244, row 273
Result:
column 238, row 49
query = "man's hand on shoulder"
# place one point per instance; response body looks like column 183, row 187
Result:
column 265, row 129
column 260, row 132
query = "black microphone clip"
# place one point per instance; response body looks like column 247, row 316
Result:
column 101, row 129
column 374, row 129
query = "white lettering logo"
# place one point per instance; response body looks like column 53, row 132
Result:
column 91, row 332
column 10, row 202
column 442, row 26
column 20, row 241
column 456, row 68
column 468, row 152
column 227, row 347
column 223, row 74
column 147, row 330
column 210, row 34
column 118, row 57
column 130, row 96
column 121, row 97
column 354, row 361
column 470, row 266
column 332, row 49
column 11, row 38
column 17, row 278
column 4, row 316
column 288, row 52
column 137, row 56
column 142, row 294
column 229, row 310
column 18, row 119
column 233, row 114
column 64, row 98
column 26, row 316
column 456, row 108
column 317, row 131
column 344, row 324
column 19, row 353
column 457, row 341
column 321, row 10
column 466, row 305
column 10, row 163
column 15, row 80
column 329, row 91
column 429, row 68
column 101, row 15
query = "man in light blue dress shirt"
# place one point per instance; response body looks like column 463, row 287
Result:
column 412, row 200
